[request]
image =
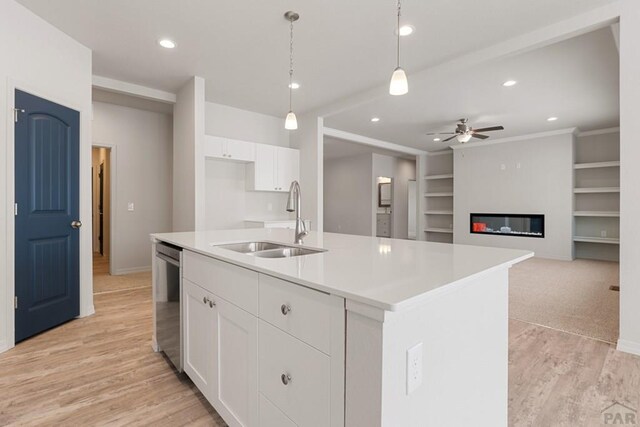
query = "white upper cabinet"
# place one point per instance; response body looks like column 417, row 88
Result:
column 274, row 168
column 229, row 149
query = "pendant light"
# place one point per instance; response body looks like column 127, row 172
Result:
column 399, row 84
column 291, row 123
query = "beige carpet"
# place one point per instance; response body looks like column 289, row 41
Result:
column 571, row 296
column 104, row 282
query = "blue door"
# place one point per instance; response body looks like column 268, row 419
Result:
column 47, row 272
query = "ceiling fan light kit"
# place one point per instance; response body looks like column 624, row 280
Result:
column 291, row 122
column 463, row 132
column 399, row 84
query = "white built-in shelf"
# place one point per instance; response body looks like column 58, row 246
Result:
column 597, row 213
column 444, row 194
column 438, row 230
column 438, row 212
column 596, row 165
column 607, row 240
column 446, row 176
column 593, row 190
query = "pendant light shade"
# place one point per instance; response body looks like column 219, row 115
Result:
column 291, row 123
column 399, row 84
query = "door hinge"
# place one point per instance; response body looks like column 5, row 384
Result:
column 15, row 303
column 15, row 209
column 15, row 113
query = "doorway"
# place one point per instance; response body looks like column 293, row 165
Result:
column 101, row 209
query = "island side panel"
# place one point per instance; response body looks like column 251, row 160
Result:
column 464, row 336
column 154, row 278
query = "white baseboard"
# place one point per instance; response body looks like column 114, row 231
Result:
column 629, row 347
column 91, row 310
column 3, row 346
column 122, row 271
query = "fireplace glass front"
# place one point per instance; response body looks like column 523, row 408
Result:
column 523, row 225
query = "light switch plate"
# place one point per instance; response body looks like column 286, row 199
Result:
column 130, row 207
column 414, row 368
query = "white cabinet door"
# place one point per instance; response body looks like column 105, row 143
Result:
column 214, row 147
column 241, row 151
column 270, row 416
column 235, row 379
column 287, row 167
column 265, row 168
column 198, row 331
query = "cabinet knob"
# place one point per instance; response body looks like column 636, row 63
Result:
column 286, row 379
column 211, row 303
column 285, row 309
column 205, row 300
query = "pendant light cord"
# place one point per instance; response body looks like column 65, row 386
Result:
column 290, row 62
column 398, row 30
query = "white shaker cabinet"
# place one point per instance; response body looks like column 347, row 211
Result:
column 229, row 149
column 221, row 347
column 274, row 168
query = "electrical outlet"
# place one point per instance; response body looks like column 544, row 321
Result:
column 130, row 207
column 414, row 368
column 603, row 233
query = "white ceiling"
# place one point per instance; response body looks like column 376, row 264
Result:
column 241, row 47
column 576, row 80
column 338, row 148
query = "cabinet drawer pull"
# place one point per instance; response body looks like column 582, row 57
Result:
column 285, row 309
column 286, row 379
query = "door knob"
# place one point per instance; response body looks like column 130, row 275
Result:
column 285, row 309
column 285, row 378
column 76, row 224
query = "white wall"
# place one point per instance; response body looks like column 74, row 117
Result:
column 404, row 170
column 227, row 203
column 629, row 178
column 309, row 140
column 142, row 167
column 528, row 176
column 38, row 58
column 188, row 135
column 348, row 199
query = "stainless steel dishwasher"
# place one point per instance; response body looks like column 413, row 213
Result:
column 168, row 307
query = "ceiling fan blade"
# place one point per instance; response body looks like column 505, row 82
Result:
column 449, row 139
column 477, row 135
column 489, row 129
column 440, row 133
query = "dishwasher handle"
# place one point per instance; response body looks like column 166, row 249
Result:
column 168, row 259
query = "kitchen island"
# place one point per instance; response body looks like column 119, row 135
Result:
column 366, row 332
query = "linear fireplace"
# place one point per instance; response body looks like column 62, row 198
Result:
column 522, row 225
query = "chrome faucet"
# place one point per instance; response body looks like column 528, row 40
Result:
column 293, row 204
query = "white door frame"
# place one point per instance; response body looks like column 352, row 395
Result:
column 86, row 268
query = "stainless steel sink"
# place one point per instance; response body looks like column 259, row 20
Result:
column 269, row 250
column 287, row 252
column 250, row 247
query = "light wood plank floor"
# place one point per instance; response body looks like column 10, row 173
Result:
column 101, row 370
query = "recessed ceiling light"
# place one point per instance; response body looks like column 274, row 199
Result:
column 166, row 43
column 552, row 119
column 436, row 139
column 375, row 119
column 406, row 30
column 294, row 85
column 509, row 83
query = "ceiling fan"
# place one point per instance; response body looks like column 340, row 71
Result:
column 464, row 132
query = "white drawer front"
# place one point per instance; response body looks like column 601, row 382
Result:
column 270, row 416
column 306, row 397
column 235, row 284
column 308, row 312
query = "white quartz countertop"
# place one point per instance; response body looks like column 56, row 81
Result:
column 390, row 274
